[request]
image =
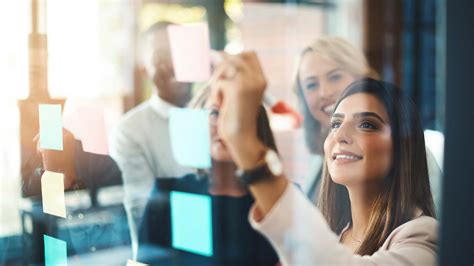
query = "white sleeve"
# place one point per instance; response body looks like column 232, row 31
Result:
column 137, row 175
column 300, row 235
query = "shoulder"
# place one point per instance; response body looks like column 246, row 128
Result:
column 135, row 115
column 422, row 230
column 132, row 127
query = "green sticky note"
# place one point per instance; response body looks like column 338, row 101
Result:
column 191, row 222
column 190, row 137
column 55, row 251
column 51, row 132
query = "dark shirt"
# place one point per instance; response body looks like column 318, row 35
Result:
column 92, row 171
column 234, row 241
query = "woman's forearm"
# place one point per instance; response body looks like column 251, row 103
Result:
column 248, row 155
column 267, row 192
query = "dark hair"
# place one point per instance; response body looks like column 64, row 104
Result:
column 148, row 39
column 406, row 187
column 264, row 131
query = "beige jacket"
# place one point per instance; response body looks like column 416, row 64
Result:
column 300, row 235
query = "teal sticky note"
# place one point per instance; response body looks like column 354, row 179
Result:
column 51, row 132
column 191, row 222
column 55, row 251
column 190, row 137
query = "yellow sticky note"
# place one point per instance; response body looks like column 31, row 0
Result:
column 52, row 191
column 134, row 263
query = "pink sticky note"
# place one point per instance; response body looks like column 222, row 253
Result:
column 190, row 51
column 92, row 129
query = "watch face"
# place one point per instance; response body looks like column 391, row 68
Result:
column 273, row 163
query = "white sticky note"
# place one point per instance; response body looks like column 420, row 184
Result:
column 190, row 137
column 135, row 263
column 190, row 51
column 52, row 192
column 51, row 132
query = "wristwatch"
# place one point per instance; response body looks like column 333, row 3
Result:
column 271, row 166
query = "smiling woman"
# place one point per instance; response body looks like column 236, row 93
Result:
column 359, row 147
column 384, row 180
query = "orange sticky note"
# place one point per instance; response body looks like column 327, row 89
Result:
column 190, row 51
column 52, row 192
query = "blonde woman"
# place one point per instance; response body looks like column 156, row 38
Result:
column 324, row 70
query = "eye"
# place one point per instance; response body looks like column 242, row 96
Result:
column 335, row 77
column 214, row 113
column 367, row 125
column 312, row 86
column 335, row 124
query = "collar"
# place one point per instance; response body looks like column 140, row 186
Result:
column 161, row 106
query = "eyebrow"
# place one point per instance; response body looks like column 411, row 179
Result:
column 361, row 114
column 332, row 71
column 310, row 78
column 314, row 78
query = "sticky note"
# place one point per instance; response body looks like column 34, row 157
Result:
column 52, row 191
column 135, row 263
column 190, row 52
column 51, row 132
column 55, row 251
column 92, row 129
column 191, row 222
column 190, row 137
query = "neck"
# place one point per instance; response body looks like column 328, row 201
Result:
column 362, row 199
column 180, row 95
column 224, row 181
column 171, row 100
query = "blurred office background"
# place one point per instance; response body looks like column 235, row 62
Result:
column 91, row 52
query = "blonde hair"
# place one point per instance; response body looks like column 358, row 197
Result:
column 200, row 97
column 348, row 58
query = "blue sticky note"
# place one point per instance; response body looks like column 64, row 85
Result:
column 191, row 222
column 190, row 137
column 55, row 251
column 51, row 132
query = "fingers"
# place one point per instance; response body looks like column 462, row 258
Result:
column 218, row 89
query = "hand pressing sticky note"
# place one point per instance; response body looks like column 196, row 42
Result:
column 55, row 251
column 190, row 137
column 92, row 130
column 51, row 132
column 191, row 222
column 52, row 191
column 190, row 51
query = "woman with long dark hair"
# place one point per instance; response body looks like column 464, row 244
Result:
column 324, row 69
column 375, row 207
column 234, row 241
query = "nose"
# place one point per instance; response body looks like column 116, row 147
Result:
column 325, row 90
column 343, row 134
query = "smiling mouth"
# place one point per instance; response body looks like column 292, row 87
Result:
column 346, row 157
column 329, row 109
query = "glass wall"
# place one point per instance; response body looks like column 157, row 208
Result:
column 119, row 156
